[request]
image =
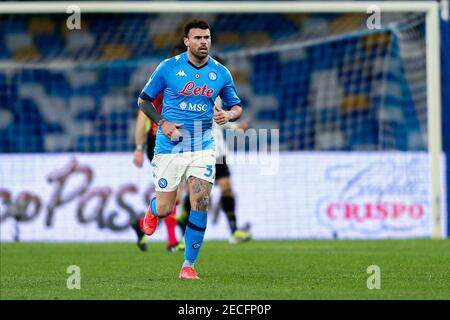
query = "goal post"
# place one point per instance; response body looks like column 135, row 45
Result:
column 432, row 38
column 216, row 6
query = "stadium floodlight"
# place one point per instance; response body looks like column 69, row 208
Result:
column 432, row 50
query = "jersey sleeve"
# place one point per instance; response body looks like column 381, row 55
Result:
column 156, row 83
column 228, row 93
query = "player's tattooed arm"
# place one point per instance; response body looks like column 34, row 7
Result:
column 169, row 128
column 199, row 195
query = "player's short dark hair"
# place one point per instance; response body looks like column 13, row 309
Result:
column 196, row 24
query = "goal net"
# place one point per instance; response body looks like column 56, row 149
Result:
column 339, row 114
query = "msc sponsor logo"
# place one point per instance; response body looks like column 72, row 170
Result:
column 193, row 106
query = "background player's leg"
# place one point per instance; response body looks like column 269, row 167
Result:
column 227, row 202
column 184, row 215
column 171, row 223
column 137, row 225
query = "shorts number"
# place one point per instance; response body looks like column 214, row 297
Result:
column 209, row 171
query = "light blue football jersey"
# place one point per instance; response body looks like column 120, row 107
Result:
column 189, row 93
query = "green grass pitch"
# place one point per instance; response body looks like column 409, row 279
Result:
column 313, row 269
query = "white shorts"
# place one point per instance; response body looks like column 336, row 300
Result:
column 172, row 168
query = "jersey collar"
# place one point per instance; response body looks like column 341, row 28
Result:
column 198, row 68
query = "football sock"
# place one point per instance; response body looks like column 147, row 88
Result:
column 171, row 222
column 188, row 264
column 228, row 205
column 195, row 232
column 153, row 206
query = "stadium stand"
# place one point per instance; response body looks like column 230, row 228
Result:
column 319, row 94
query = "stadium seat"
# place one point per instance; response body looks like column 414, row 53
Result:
column 347, row 23
column 298, row 91
column 41, row 25
column 115, row 52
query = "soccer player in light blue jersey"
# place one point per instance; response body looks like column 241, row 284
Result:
column 184, row 148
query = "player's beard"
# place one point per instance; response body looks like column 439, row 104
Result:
column 201, row 54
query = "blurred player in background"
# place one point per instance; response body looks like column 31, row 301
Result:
column 145, row 138
column 223, row 179
column 185, row 146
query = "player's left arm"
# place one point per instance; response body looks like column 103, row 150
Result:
column 222, row 116
column 230, row 101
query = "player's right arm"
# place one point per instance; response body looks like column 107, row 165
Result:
column 169, row 128
column 153, row 87
column 147, row 108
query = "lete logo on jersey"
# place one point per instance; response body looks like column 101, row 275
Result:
column 191, row 89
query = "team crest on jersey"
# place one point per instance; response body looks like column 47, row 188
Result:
column 197, row 76
column 212, row 76
column 162, row 183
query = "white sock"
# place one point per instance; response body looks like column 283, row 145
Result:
column 188, row 263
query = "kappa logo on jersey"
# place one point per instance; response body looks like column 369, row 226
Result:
column 181, row 73
column 191, row 89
